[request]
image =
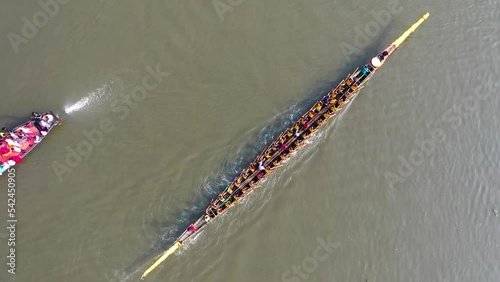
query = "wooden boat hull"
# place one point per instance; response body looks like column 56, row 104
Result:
column 288, row 141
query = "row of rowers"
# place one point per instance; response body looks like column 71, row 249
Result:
column 280, row 149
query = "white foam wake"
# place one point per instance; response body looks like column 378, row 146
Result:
column 91, row 98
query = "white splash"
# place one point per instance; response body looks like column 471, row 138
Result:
column 91, row 98
column 78, row 105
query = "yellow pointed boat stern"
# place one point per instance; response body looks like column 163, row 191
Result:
column 165, row 255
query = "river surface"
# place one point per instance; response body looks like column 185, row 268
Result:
column 402, row 186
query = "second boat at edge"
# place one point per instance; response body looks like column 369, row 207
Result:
column 289, row 141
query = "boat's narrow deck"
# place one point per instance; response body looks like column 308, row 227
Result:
column 290, row 140
column 279, row 150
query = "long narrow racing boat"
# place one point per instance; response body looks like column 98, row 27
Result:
column 288, row 141
column 16, row 143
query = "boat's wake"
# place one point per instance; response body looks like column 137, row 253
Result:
column 92, row 98
column 106, row 92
